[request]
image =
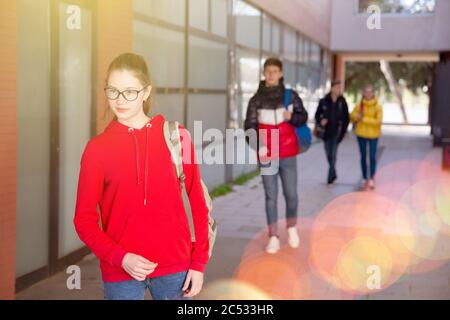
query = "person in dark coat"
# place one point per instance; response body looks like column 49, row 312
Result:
column 332, row 115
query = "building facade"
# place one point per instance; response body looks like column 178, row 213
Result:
column 206, row 60
column 205, row 57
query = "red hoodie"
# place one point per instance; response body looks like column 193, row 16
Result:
column 130, row 175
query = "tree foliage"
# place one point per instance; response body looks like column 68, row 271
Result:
column 412, row 75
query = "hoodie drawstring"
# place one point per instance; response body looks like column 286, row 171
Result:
column 147, row 126
column 136, row 148
column 138, row 169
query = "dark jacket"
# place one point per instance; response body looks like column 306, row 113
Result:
column 337, row 115
column 265, row 111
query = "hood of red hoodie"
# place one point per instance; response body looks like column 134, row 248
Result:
column 117, row 127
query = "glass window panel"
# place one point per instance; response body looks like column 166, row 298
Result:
column 316, row 91
column 166, row 59
column 198, row 14
column 306, row 51
column 172, row 11
column 305, row 89
column 169, row 105
column 303, row 76
column 208, row 67
column 276, row 38
column 290, row 44
column 211, row 109
column 248, row 77
column 289, row 72
column 315, row 80
column 219, row 15
column 247, row 24
column 263, row 59
column 267, row 30
column 301, row 49
column 75, row 105
column 33, row 135
column 315, row 56
column 399, row 6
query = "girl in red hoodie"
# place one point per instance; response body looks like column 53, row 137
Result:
column 143, row 238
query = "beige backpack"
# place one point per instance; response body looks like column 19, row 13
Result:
column 172, row 137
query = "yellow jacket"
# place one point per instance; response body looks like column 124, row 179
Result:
column 372, row 117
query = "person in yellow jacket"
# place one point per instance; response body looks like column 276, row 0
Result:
column 367, row 117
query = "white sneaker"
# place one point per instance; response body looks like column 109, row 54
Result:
column 365, row 185
column 293, row 239
column 274, row 245
column 371, row 184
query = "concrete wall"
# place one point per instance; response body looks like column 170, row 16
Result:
column 311, row 17
column 398, row 33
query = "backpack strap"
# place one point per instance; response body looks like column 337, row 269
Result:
column 173, row 141
column 287, row 97
column 172, row 137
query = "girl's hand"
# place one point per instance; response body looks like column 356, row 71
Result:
column 287, row 115
column 263, row 151
column 195, row 279
column 138, row 267
column 360, row 116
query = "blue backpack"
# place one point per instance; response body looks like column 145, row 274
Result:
column 303, row 132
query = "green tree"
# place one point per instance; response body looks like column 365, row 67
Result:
column 414, row 74
column 359, row 74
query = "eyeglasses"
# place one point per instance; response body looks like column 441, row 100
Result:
column 128, row 94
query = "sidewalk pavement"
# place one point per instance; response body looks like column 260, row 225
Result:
column 239, row 251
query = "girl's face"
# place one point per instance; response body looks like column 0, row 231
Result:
column 368, row 93
column 129, row 103
column 272, row 75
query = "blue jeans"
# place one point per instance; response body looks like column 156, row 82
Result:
column 362, row 142
column 331, row 146
column 161, row 288
column 287, row 170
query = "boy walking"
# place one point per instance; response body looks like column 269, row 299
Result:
column 266, row 112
